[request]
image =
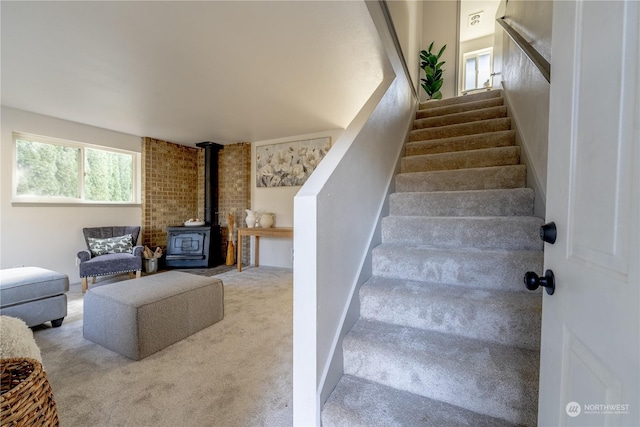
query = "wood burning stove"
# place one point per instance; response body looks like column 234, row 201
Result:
column 199, row 246
column 193, row 246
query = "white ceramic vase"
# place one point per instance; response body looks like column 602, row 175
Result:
column 251, row 218
column 266, row 220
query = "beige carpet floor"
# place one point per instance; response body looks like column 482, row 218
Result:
column 237, row 372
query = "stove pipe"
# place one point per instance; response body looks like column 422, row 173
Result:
column 210, row 180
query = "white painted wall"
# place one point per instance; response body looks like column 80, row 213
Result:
column 476, row 44
column 527, row 92
column 337, row 214
column 276, row 252
column 407, row 20
column 50, row 236
column 440, row 24
column 498, row 37
column 533, row 20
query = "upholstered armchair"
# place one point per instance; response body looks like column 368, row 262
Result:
column 110, row 250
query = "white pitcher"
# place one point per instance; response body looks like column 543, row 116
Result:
column 251, row 218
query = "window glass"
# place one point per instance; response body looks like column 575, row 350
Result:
column 49, row 170
column 484, row 70
column 46, row 170
column 477, row 70
column 470, row 73
column 108, row 176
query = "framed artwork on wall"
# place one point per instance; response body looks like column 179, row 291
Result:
column 289, row 163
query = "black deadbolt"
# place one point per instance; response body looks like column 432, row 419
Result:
column 548, row 232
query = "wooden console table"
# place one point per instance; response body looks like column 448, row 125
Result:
column 260, row 232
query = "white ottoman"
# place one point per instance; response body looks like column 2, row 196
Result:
column 137, row 318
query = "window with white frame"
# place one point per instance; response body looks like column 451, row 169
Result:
column 477, row 69
column 50, row 170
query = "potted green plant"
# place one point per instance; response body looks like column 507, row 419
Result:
column 433, row 72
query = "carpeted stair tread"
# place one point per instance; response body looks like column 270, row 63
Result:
column 485, row 157
column 459, row 108
column 481, row 126
column 502, row 138
column 462, row 117
column 461, row 99
column 483, row 377
column 356, row 402
column 503, row 317
column 518, row 201
column 476, row 268
column 497, row 232
column 489, row 178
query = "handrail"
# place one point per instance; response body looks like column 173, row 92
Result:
column 392, row 29
column 526, row 47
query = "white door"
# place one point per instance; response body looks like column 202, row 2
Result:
column 590, row 364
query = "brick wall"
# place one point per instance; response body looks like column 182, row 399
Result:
column 170, row 185
column 173, row 188
column 234, row 165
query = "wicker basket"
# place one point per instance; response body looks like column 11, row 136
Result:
column 25, row 396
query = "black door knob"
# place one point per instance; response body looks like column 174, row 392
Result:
column 532, row 281
column 548, row 232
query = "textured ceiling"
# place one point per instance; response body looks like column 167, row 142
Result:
column 192, row 71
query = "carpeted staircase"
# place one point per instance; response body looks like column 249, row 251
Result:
column 448, row 335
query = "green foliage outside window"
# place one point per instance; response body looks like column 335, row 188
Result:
column 108, row 176
column 47, row 170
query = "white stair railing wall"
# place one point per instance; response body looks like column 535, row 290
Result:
column 336, row 222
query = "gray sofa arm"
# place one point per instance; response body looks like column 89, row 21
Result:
column 84, row 256
column 137, row 250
